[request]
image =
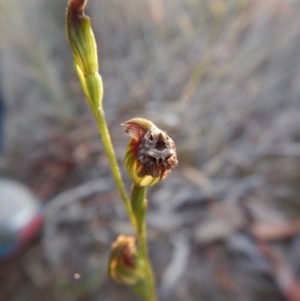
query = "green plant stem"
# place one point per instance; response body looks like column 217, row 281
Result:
column 139, row 207
column 102, row 126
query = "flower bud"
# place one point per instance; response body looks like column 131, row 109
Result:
column 124, row 265
column 81, row 37
column 150, row 154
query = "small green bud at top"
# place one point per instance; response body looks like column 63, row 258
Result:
column 81, row 36
column 124, row 265
column 151, row 153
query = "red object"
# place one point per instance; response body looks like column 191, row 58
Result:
column 31, row 229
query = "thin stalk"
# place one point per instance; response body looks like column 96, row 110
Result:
column 103, row 130
column 139, row 206
column 142, row 240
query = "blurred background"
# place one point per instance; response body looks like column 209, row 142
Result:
column 222, row 78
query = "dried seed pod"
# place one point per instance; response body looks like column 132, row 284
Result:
column 151, row 153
